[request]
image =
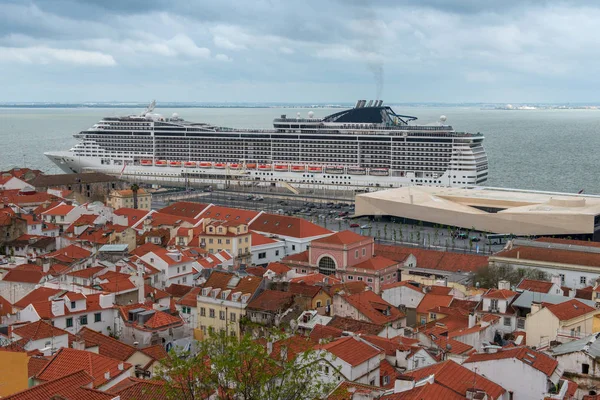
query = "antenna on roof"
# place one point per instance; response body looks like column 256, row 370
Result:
column 150, row 108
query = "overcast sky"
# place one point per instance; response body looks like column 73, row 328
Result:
column 299, row 51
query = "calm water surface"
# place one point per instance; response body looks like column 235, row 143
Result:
column 539, row 149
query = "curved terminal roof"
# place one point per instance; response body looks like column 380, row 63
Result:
column 369, row 115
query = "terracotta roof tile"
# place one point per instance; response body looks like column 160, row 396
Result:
column 141, row 389
column 133, row 215
column 60, row 210
column 343, row 238
column 351, row 350
column 457, row 378
column 304, row 289
column 430, row 301
column 67, row 361
column 107, row 346
column 554, row 256
column 353, row 325
column 177, row 290
column 456, row 347
column 416, row 286
column 348, row 287
column 157, row 352
column 229, row 214
column 271, row 300
column 24, row 276
column 69, row 386
column 433, row 259
column 373, row 307
column 261, row 240
column 226, row 281
column 38, row 330
column 36, row 364
column 287, row 226
column 538, row 360
column 190, row 299
column 323, row 332
column 162, row 320
column 386, row 369
column 349, row 391
column 535, row 286
column 277, row 267
column 426, row 391
column 500, row 294
column 376, row 263
column 184, row 209
column 36, row 295
column 569, row 309
column 298, row 257
column 316, row 279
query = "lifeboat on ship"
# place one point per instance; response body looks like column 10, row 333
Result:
column 190, row 164
column 315, row 170
column 251, row 166
column 175, row 163
column 235, row 166
column 281, row 167
column 298, row 168
column 205, row 165
column 334, row 170
column 160, row 163
column 146, row 163
column 265, row 167
column 220, row 165
column 379, row 172
column 357, row 171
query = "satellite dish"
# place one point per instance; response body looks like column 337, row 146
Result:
column 442, row 118
column 310, row 114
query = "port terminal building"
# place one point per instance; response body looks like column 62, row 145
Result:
column 485, row 209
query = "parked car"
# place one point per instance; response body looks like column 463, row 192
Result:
column 365, row 226
column 354, row 225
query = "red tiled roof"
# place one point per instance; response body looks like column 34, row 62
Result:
column 499, row 294
column 38, row 330
column 569, row 309
column 221, row 280
column 287, row 226
column 36, row 364
column 86, row 272
column 457, row 378
column 256, row 271
column 177, row 290
column 323, row 332
column 348, row 287
column 190, row 299
column 425, row 392
column 298, row 257
column 107, row 346
column 353, row 325
column 349, row 391
column 375, row 263
column 584, row 243
column 37, row 295
column 156, row 293
column 293, row 345
column 18, row 198
column 538, row 360
column 260, row 240
column 430, row 301
column 535, row 286
column 71, row 386
column 278, row 268
column 342, row 238
column 69, row 254
column 67, row 361
column 351, row 350
column 133, row 215
column 60, row 210
column 304, row 289
column 433, row 259
column 5, row 307
column 141, row 389
column 184, row 209
column 390, row 345
column 314, row 279
column 386, row 369
column 229, row 214
column 272, row 300
column 373, row 307
column 162, row 320
column 24, row 276
column 452, row 346
column 157, row 352
column 554, row 256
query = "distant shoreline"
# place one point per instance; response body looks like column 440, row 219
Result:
column 482, row 106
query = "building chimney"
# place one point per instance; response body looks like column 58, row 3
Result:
column 79, row 345
column 269, row 347
column 556, row 280
column 403, row 384
column 107, row 375
column 140, row 283
column 120, row 366
column 504, row 285
column 535, row 307
column 472, row 320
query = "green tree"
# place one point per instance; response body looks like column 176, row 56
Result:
column 242, row 369
column 385, row 231
column 395, row 235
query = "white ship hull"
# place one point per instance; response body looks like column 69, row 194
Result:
column 220, row 177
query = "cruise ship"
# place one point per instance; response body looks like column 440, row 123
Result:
column 363, row 148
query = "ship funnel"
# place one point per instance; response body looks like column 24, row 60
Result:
column 357, row 105
column 369, row 103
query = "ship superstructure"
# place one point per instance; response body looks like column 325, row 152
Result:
column 365, row 147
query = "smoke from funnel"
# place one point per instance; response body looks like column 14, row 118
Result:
column 377, row 71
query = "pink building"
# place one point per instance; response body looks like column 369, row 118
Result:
column 347, row 256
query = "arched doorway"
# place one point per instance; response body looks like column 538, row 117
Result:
column 327, row 265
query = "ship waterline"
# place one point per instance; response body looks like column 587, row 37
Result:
column 366, row 147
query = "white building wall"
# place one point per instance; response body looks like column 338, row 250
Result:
column 572, row 362
column 273, row 252
column 48, row 345
column 513, row 375
column 402, row 295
